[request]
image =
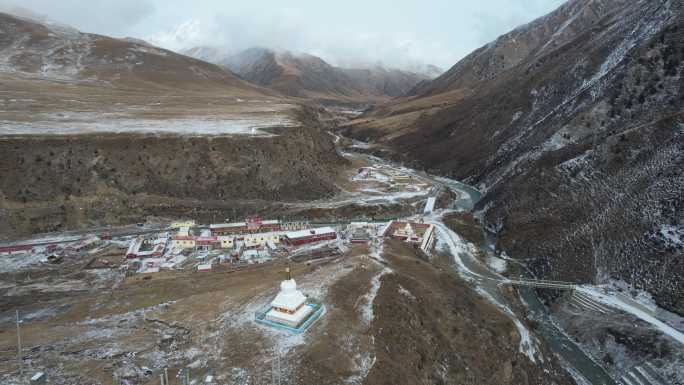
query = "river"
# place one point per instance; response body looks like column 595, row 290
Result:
column 487, row 283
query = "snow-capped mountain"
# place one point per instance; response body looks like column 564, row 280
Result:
column 303, row 75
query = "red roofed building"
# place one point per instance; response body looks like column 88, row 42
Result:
column 207, row 243
column 16, row 249
column 412, row 232
column 297, row 238
column 251, row 225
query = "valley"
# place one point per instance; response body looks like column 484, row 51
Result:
column 262, row 216
column 581, row 113
column 465, row 264
column 385, row 262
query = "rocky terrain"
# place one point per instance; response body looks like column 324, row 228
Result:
column 308, row 76
column 572, row 127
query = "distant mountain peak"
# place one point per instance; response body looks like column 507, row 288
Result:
column 306, row 75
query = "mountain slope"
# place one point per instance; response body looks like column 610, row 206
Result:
column 381, row 81
column 100, row 131
column 525, row 43
column 572, row 126
column 308, row 76
column 300, row 76
column 53, row 52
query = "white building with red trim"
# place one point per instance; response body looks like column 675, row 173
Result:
column 302, row 237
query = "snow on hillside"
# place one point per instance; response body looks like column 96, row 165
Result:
column 238, row 125
column 185, row 35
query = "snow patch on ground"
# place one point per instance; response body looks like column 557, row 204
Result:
column 516, row 116
column 405, row 292
column 363, row 363
column 448, row 240
column 367, row 315
column 577, row 165
column 15, row 262
column 497, row 264
column 311, row 247
column 673, row 234
column 528, row 343
column 615, row 301
column 643, row 297
column 361, row 145
column 238, row 125
column 377, row 249
column 557, row 141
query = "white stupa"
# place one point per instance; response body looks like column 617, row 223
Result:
column 289, row 306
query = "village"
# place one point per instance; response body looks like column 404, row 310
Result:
column 188, row 245
column 229, row 252
column 281, row 267
column 248, row 300
column 227, row 246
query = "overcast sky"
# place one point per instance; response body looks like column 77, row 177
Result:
column 398, row 33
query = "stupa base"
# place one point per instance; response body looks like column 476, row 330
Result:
column 296, row 323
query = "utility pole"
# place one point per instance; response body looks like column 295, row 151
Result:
column 19, row 360
column 275, row 371
column 278, row 359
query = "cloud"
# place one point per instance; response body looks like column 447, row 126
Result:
column 104, row 17
column 233, row 32
column 399, row 33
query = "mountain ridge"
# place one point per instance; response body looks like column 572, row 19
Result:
column 309, row 76
column 577, row 119
column 54, row 52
